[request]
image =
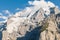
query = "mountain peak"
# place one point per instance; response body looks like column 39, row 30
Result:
column 38, row 22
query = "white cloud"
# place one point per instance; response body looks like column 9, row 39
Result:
column 5, row 19
column 18, row 9
column 6, row 11
column 51, row 4
column 25, row 12
column 30, row 2
column 1, row 14
column 42, row 4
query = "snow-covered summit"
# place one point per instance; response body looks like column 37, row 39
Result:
column 38, row 22
column 40, row 8
column 37, row 4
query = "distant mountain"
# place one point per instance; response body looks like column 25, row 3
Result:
column 38, row 22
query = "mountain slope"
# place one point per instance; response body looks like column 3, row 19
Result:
column 38, row 22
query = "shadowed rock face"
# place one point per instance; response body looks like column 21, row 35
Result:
column 0, row 35
column 2, row 28
column 58, row 21
column 33, row 35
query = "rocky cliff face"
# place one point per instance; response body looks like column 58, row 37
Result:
column 51, row 33
column 36, row 25
column 33, row 29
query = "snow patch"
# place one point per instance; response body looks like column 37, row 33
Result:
column 42, row 4
column 14, row 25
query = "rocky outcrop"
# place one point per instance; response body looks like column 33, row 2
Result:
column 34, row 26
column 51, row 33
column 46, row 29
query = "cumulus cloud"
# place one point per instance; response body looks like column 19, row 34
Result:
column 3, row 15
column 42, row 4
column 6, row 11
column 51, row 4
column 18, row 9
column 36, row 5
column 30, row 2
column 25, row 12
column 5, row 19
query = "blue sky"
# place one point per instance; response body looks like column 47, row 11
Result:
column 56, row 2
column 11, row 5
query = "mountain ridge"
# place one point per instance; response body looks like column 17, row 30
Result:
column 39, row 22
